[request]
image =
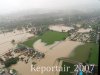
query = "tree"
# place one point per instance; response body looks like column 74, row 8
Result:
column 13, row 41
column 11, row 61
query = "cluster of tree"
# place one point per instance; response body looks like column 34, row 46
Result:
column 11, row 62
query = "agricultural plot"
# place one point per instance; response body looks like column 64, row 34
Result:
column 86, row 53
column 30, row 41
column 51, row 36
column 48, row 37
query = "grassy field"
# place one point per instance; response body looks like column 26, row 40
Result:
column 48, row 37
column 94, row 54
column 86, row 53
column 51, row 36
column 30, row 42
column 83, row 53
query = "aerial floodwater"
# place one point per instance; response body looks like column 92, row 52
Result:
column 49, row 37
column 6, row 38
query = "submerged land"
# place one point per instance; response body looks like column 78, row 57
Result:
column 54, row 44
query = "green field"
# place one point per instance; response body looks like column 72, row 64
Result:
column 94, row 54
column 83, row 53
column 51, row 36
column 48, row 37
column 30, row 42
column 86, row 53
